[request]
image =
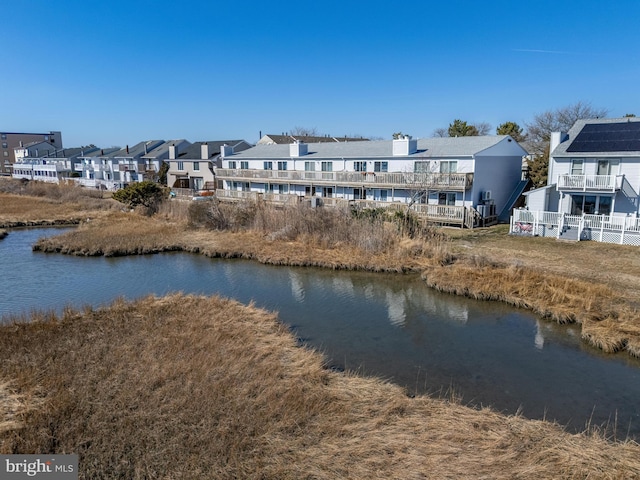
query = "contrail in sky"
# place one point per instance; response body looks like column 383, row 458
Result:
column 532, row 50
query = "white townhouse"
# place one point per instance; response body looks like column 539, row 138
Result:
column 95, row 169
column 192, row 168
column 593, row 185
column 463, row 181
column 49, row 165
column 115, row 168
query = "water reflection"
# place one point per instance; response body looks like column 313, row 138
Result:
column 396, row 308
column 539, row 338
column 297, row 288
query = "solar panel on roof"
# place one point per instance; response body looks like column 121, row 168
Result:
column 607, row 137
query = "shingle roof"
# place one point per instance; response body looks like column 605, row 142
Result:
column 287, row 139
column 562, row 149
column 193, row 152
column 427, row 148
column 163, row 148
column 67, row 152
column 138, row 149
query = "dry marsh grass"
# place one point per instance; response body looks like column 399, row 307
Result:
column 117, row 234
column 194, row 387
column 39, row 203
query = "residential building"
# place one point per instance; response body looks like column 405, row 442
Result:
column 10, row 140
column 463, row 181
column 50, row 166
column 593, row 185
column 33, row 149
column 98, row 169
column 193, row 168
column 115, row 168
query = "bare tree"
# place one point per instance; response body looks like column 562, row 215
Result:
column 540, row 129
column 440, row 132
column 559, row 120
column 483, row 128
column 304, row 132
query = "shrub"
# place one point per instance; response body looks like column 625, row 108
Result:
column 141, row 194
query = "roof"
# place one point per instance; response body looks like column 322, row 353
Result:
column 33, row 144
column 69, row 152
column 427, row 148
column 602, row 137
column 533, row 190
column 163, row 148
column 287, row 139
column 101, row 152
column 194, row 151
column 139, row 149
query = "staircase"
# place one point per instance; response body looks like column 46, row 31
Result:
column 504, row 215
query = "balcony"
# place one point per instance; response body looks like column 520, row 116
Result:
column 589, row 183
column 444, row 214
column 436, row 181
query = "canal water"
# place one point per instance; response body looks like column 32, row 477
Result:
column 390, row 326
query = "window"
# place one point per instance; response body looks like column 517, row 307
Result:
column 577, row 165
column 232, row 164
column 196, row 166
column 608, row 166
column 448, row 166
column 421, row 167
column 360, row 166
column 5, row 153
column 327, row 192
column 244, row 165
column 4, row 136
column 604, row 205
column 380, row 166
column 283, row 188
column 327, row 166
column 4, row 145
column 446, row 198
column 309, row 166
column 268, row 165
column 180, row 165
column 282, row 165
column 383, row 195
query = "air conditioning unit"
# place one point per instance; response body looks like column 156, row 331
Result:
column 486, row 195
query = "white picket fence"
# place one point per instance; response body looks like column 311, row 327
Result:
column 601, row 228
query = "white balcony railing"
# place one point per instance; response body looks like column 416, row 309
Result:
column 460, row 181
column 590, row 183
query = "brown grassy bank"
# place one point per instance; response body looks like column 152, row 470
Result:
column 3, row 233
column 195, row 387
column 37, row 203
column 128, row 233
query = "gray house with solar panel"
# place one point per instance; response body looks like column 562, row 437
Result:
column 593, row 190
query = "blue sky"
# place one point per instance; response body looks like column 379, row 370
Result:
column 118, row 72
